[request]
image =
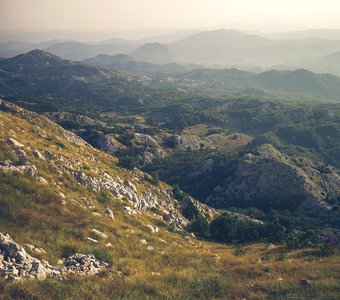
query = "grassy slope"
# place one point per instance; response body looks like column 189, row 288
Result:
column 32, row 213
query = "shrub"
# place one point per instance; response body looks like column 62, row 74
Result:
column 127, row 162
column 104, row 196
column 239, row 250
column 273, row 232
column 221, row 229
column 68, row 250
column 245, row 231
column 178, row 193
column 200, row 226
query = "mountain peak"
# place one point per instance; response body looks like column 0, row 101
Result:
column 30, row 61
column 153, row 52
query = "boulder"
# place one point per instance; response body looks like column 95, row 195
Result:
column 22, row 156
column 109, row 213
column 37, row 154
column 99, row 233
column 14, row 143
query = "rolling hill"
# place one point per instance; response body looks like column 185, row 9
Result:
column 126, row 63
column 303, row 82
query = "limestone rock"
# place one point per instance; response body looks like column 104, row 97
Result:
column 109, row 213
column 16, row 263
column 14, row 143
column 266, row 174
column 99, row 233
column 37, row 154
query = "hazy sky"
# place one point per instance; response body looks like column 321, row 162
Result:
column 128, row 14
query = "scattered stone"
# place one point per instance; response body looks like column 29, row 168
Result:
column 82, row 264
column 92, row 240
column 152, row 229
column 177, row 244
column 150, row 248
column 215, row 256
column 144, row 242
column 109, row 213
column 271, row 246
column 60, row 194
column 99, row 233
column 14, row 143
column 37, row 154
column 42, row 180
column 35, row 249
column 97, row 214
column 108, row 245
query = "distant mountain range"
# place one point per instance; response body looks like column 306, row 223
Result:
column 44, row 76
column 218, row 49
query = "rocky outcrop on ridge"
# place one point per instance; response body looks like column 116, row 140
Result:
column 266, row 175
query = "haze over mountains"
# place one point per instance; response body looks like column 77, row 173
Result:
column 316, row 50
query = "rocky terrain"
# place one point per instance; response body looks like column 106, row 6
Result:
column 133, row 140
column 83, row 168
column 17, row 264
column 266, row 175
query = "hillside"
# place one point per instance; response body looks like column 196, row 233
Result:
column 63, row 196
column 52, row 81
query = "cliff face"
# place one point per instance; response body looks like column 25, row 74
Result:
column 266, row 177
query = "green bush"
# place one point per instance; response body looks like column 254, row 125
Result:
column 68, row 250
column 200, row 226
column 221, row 229
column 127, row 162
column 104, row 196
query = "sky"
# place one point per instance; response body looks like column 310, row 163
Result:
column 265, row 15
